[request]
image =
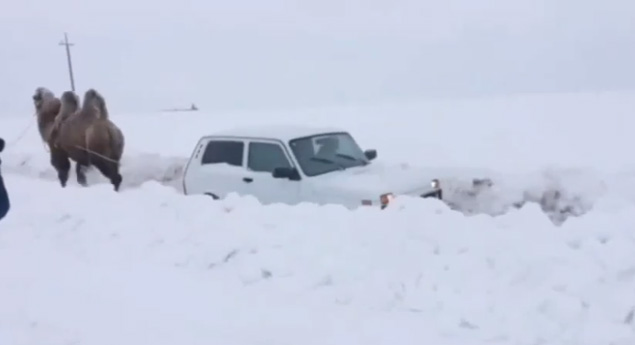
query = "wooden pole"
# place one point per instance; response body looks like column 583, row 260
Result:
column 68, row 46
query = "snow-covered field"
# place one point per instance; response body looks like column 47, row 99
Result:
column 151, row 266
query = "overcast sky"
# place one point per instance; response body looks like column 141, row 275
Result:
column 149, row 55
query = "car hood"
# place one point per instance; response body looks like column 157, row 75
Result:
column 374, row 179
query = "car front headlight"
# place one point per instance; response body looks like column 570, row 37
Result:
column 385, row 199
column 435, row 184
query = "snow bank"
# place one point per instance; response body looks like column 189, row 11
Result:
column 136, row 169
column 560, row 193
column 150, row 266
column 27, row 155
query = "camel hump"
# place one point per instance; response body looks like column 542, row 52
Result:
column 69, row 105
column 69, row 102
column 94, row 103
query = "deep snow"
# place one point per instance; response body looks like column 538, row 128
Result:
column 151, row 266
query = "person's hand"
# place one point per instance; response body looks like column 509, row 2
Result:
column 1, row 148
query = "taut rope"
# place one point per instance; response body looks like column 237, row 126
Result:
column 26, row 129
column 23, row 133
column 97, row 154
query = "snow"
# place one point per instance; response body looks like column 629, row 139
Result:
column 531, row 146
column 373, row 180
column 150, row 265
column 280, row 132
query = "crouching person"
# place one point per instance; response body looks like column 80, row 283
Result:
column 4, row 196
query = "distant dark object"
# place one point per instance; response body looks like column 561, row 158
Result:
column 193, row 107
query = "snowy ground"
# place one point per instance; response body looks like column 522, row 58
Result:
column 150, row 266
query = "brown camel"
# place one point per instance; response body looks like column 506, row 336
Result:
column 47, row 106
column 88, row 136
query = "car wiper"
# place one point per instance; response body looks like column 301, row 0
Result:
column 323, row 160
column 327, row 161
column 351, row 158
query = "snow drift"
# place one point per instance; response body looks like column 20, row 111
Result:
column 151, row 266
column 136, row 169
column 559, row 193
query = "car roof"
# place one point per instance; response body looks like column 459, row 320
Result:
column 281, row 132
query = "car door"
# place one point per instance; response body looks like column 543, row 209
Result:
column 263, row 156
column 219, row 169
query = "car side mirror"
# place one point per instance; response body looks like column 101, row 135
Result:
column 288, row 173
column 370, row 154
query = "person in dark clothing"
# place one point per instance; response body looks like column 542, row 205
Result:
column 4, row 196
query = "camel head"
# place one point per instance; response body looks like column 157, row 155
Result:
column 41, row 94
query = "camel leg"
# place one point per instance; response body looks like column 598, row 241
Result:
column 62, row 164
column 115, row 176
column 80, row 171
column 110, row 170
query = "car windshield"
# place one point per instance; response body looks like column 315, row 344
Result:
column 321, row 154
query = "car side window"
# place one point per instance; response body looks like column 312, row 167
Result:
column 224, row 151
column 264, row 157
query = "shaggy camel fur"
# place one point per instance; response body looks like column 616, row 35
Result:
column 88, row 136
column 47, row 106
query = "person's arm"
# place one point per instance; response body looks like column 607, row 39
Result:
column 4, row 199
column 4, row 196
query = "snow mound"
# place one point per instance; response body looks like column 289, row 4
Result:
column 560, row 193
column 136, row 169
column 149, row 265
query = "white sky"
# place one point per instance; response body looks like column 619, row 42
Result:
column 145, row 55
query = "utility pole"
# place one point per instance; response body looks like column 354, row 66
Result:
column 68, row 59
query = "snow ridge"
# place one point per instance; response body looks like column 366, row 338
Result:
column 148, row 254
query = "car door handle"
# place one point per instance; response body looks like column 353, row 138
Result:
column 248, row 180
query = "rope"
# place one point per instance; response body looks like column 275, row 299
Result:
column 31, row 123
column 22, row 134
column 97, row 154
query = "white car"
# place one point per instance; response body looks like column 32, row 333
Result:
column 291, row 164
